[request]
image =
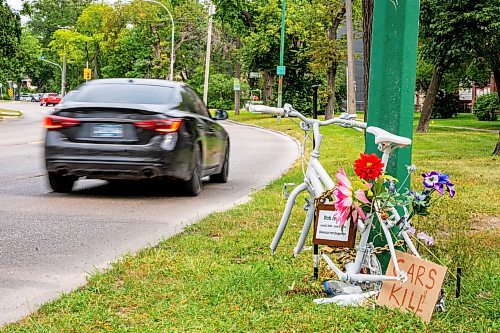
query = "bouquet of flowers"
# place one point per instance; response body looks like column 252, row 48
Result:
column 354, row 199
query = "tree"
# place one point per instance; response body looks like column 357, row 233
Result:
column 325, row 50
column 10, row 37
column 450, row 33
column 367, row 9
column 46, row 16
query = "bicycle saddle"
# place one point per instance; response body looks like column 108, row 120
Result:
column 384, row 137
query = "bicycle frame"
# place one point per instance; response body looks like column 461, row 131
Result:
column 316, row 180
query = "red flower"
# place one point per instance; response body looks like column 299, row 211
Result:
column 368, row 166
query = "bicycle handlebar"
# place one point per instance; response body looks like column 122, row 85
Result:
column 289, row 111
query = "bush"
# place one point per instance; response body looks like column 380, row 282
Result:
column 487, row 107
column 446, row 105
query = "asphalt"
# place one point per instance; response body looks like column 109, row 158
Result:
column 50, row 242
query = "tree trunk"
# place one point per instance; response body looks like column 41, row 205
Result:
column 496, row 75
column 237, row 72
column 430, row 98
column 268, row 86
column 96, row 56
column 497, row 148
column 332, row 72
column 367, row 46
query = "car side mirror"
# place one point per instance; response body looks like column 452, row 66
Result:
column 221, row 115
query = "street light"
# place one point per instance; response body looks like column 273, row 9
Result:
column 173, row 31
column 62, row 72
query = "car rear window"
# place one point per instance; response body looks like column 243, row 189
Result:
column 52, row 95
column 127, row 93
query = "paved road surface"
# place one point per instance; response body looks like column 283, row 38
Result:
column 50, row 241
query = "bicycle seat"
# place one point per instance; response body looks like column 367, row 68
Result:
column 384, row 137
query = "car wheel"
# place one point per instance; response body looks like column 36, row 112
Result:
column 193, row 186
column 224, row 173
column 62, row 184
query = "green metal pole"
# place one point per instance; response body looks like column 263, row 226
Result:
column 281, row 69
column 392, row 83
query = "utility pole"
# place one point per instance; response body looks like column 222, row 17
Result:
column 351, row 91
column 393, row 65
column 63, row 77
column 237, row 70
column 280, row 70
column 211, row 11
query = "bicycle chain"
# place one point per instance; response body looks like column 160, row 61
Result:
column 346, row 254
column 326, row 195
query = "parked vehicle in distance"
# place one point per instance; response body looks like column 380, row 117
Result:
column 50, row 98
column 36, row 97
column 25, row 98
column 135, row 129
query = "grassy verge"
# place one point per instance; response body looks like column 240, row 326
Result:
column 463, row 120
column 4, row 113
column 218, row 275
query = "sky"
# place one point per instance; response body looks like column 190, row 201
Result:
column 15, row 4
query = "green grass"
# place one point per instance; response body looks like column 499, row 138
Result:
column 219, row 276
column 464, row 120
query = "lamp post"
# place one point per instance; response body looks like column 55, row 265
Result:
column 172, row 56
column 280, row 70
column 62, row 71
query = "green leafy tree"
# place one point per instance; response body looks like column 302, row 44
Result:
column 451, row 32
column 10, row 37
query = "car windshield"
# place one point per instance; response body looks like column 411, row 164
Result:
column 53, row 95
column 127, row 93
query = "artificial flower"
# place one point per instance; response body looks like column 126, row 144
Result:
column 439, row 182
column 346, row 197
column 368, row 166
column 428, row 240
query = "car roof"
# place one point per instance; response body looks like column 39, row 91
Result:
column 152, row 82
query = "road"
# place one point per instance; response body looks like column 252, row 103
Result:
column 49, row 241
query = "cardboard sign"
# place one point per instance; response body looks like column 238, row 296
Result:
column 420, row 293
column 328, row 231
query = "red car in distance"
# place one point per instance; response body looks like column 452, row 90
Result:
column 50, row 98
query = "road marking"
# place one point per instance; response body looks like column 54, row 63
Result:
column 35, row 142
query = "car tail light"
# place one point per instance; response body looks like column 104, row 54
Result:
column 161, row 125
column 56, row 122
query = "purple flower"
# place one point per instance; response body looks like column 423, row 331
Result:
column 410, row 230
column 392, row 186
column 439, row 182
column 428, row 240
column 431, row 179
column 451, row 189
column 419, row 198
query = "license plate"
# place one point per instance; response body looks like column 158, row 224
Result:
column 107, row 131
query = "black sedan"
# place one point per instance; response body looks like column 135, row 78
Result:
column 135, row 129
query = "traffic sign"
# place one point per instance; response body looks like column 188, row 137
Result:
column 87, row 74
column 10, row 92
column 236, row 84
column 280, row 70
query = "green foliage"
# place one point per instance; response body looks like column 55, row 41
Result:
column 10, row 36
column 487, row 107
column 446, row 106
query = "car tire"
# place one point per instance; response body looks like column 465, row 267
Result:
column 224, row 173
column 193, row 186
column 61, row 184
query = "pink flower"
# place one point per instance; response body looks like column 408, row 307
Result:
column 345, row 204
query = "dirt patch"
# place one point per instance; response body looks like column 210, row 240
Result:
column 485, row 223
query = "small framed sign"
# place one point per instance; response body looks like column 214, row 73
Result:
column 327, row 230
